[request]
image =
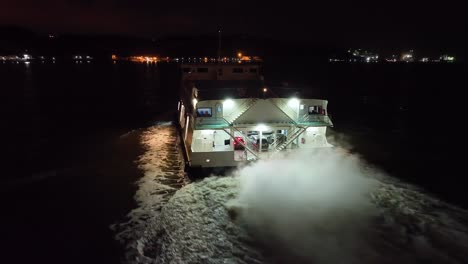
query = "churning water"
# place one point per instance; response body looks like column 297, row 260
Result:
column 162, row 165
column 313, row 207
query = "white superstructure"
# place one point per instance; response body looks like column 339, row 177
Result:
column 223, row 131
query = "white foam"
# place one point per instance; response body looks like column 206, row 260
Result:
column 195, row 226
column 314, row 204
column 162, row 166
column 326, row 207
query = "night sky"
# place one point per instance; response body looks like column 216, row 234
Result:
column 396, row 23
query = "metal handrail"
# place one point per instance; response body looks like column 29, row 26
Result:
column 234, row 112
column 289, row 116
column 276, row 142
column 244, row 106
column 316, row 118
column 295, row 135
column 245, row 146
column 285, row 105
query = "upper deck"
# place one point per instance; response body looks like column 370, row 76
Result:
column 206, row 85
column 220, row 114
column 232, row 71
column 220, row 79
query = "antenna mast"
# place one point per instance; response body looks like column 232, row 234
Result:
column 219, row 44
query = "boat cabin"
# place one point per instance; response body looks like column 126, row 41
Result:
column 228, row 117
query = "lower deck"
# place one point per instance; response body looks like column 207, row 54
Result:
column 236, row 145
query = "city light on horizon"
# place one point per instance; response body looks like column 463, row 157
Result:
column 359, row 55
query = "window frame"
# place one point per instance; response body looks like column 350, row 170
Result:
column 210, row 111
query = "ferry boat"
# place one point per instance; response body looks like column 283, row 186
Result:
column 227, row 117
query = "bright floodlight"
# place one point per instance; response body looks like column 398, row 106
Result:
column 228, row 103
column 293, row 102
column 265, row 90
column 312, row 129
column 261, row 127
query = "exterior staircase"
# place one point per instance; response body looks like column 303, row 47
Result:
column 283, row 106
column 241, row 110
column 291, row 138
column 244, row 145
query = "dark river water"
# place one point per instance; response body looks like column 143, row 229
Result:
column 57, row 108
column 71, row 135
column 68, row 163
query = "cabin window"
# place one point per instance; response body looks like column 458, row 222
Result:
column 315, row 110
column 219, row 108
column 204, row 112
column 186, row 70
column 202, row 69
column 237, row 70
column 253, row 70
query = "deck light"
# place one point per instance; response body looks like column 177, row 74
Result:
column 293, row 102
column 265, row 90
column 228, row 103
column 261, row 127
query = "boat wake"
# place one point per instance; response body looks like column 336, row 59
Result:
column 310, row 207
column 163, row 168
column 330, row 207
